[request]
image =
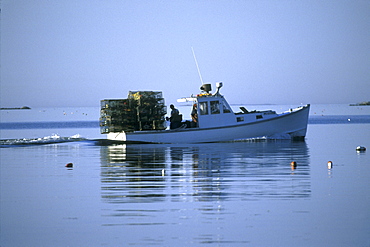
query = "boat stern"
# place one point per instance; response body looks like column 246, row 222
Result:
column 117, row 136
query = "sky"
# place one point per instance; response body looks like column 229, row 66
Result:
column 77, row 52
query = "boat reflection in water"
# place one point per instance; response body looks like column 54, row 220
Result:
column 204, row 172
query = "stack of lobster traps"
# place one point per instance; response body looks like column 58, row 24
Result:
column 142, row 110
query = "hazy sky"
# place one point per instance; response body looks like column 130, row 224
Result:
column 76, row 52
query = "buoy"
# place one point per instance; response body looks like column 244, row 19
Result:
column 163, row 171
column 293, row 165
column 330, row 164
column 360, row 149
column 69, row 165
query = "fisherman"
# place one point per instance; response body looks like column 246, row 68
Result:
column 175, row 118
column 194, row 116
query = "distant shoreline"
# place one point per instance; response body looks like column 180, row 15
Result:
column 16, row 108
column 361, row 104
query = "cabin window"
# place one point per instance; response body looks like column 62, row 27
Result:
column 240, row 119
column 215, row 107
column 203, row 108
column 259, row 117
column 225, row 108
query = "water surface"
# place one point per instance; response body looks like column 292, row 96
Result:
column 219, row 194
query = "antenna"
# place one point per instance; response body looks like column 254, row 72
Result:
column 196, row 63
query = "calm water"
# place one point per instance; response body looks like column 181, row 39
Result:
column 220, row 194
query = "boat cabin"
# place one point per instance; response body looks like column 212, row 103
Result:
column 214, row 111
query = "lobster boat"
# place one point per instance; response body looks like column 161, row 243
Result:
column 141, row 119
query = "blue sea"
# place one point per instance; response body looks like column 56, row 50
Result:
column 214, row 194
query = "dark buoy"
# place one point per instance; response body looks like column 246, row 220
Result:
column 293, row 165
column 360, row 149
column 69, row 165
column 330, row 164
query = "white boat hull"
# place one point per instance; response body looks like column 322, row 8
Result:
column 287, row 125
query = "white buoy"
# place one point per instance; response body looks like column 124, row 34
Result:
column 360, row 149
column 163, row 172
column 330, row 164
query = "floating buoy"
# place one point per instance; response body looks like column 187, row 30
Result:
column 330, row 164
column 163, row 172
column 69, row 165
column 293, row 165
column 360, row 149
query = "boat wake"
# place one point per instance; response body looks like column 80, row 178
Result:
column 53, row 139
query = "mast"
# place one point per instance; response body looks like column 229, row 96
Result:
column 196, row 63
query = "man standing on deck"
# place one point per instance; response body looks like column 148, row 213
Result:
column 175, row 118
column 194, row 116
